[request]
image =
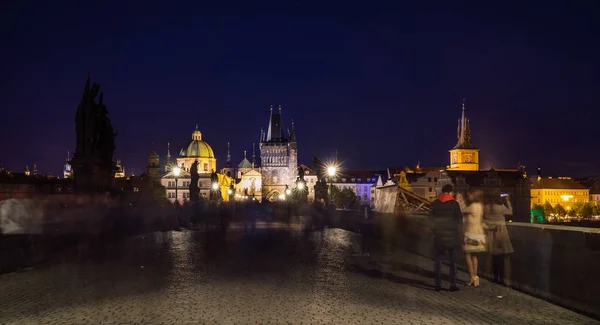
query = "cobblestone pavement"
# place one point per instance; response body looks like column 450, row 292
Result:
column 274, row 275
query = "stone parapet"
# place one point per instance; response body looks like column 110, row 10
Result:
column 556, row 263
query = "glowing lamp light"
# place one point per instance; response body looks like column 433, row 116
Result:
column 300, row 186
column 215, row 186
column 288, row 191
column 176, row 171
column 229, row 192
column 281, row 197
column 566, row 197
column 331, row 170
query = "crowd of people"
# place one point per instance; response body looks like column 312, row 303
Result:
column 475, row 225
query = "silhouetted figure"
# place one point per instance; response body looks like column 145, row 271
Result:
column 446, row 219
column 366, row 229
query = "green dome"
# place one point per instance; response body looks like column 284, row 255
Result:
column 197, row 148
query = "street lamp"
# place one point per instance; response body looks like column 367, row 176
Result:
column 300, row 185
column 230, row 192
column 331, row 171
column 176, row 172
column 287, row 191
column 215, row 186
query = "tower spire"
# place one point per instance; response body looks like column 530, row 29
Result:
column 270, row 122
column 244, row 154
column 253, row 154
column 464, row 130
column 293, row 134
column 463, row 123
column 228, row 152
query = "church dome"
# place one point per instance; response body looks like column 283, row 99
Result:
column 196, row 148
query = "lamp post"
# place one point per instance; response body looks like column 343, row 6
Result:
column 176, row 172
column 230, row 192
column 331, row 171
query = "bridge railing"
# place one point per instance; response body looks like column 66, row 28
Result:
column 558, row 263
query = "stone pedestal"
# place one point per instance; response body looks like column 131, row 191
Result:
column 91, row 176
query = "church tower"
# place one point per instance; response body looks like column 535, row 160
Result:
column 153, row 167
column 464, row 156
column 120, row 169
column 278, row 157
column 67, row 169
column 168, row 160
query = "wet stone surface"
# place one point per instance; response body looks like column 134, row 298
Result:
column 273, row 275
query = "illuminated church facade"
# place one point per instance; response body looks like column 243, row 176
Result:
column 195, row 150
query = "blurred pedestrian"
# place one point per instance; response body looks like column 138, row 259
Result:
column 366, row 229
column 498, row 242
column 446, row 220
column 474, row 236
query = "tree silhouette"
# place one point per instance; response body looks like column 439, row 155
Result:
column 560, row 211
column 537, row 214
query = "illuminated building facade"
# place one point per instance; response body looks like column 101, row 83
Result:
column 311, row 178
column 279, row 157
column 358, row 181
column 195, row 150
column 120, row 169
column 464, row 156
column 250, row 185
column 562, row 190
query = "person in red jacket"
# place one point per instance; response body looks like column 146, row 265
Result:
column 446, row 220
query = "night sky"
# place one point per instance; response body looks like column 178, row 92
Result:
column 382, row 84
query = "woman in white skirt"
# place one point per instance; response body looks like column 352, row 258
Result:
column 474, row 236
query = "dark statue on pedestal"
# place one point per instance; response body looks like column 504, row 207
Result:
column 321, row 190
column 195, row 177
column 92, row 163
column 301, row 194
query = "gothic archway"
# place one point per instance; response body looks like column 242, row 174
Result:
column 273, row 195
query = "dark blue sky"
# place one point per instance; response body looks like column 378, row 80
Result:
column 380, row 83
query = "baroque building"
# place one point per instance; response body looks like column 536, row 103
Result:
column 178, row 189
column 561, row 190
column 464, row 155
column 278, row 156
